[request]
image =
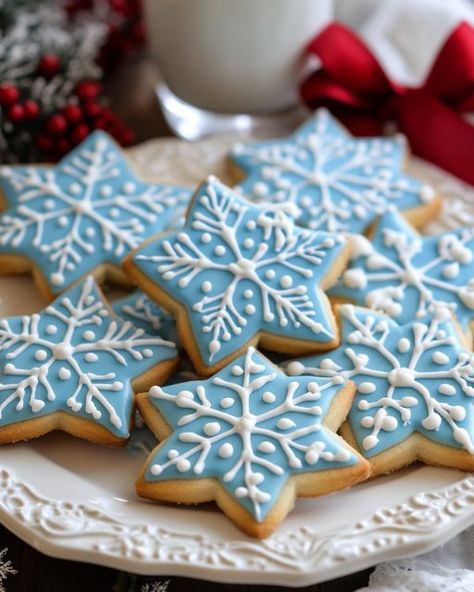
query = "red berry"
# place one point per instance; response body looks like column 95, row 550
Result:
column 80, row 133
column 8, row 94
column 92, row 109
column 44, row 143
column 138, row 33
column 120, row 6
column 128, row 137
column 88, row 89
column 31, row 109
column 63, row 145
column 49, row 65
column 56, row 125
column 16, row 113
column 100, row 123
column 72, row 113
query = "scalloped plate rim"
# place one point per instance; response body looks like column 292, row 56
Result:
column 305, row 574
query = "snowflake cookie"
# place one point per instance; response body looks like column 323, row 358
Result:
column 72, row 366
column 140, row 310
column 82, row 216
column 415, row 388
column 338, row 182
column 250, row 438
column 404, row 275
column 239, row 273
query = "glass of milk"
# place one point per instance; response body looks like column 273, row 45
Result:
column 230, row 64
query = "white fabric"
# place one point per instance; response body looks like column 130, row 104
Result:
column 448, row 568
column 406, row 36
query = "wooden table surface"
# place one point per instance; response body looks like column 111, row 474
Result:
column 133, row 98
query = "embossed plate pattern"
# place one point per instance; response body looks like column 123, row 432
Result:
column 74, row 500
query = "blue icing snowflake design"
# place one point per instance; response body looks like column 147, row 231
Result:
column 250, row 427
column 404, row 275
column 77, row 358
column 88, row 210
column 140, row 310
column 338, row 182
column 239, row 269
column 410, row 378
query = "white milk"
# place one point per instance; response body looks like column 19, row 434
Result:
column 234, row 56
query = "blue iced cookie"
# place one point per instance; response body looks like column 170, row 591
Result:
column 251, row 439
column 240, row 273
column 82, row 216
column 75, row 367
column 405, row 275
column 338, row 182
column 415, row 388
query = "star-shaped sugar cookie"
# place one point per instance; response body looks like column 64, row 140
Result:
column 240, row 273
column 415, row 388
column 82, row 216
column 250, row 438
column 404, row 275
column 338, row 182
column 72, row 367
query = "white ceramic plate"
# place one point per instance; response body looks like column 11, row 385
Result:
column 74, row 500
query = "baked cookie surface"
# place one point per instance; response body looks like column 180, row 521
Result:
column 238, row 274
column 339, row 183
column 81, row 216
column 251, row 438
column 72, row 366
column 415, row 388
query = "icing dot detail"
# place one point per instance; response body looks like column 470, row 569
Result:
column 212, row 428
column 286, row 281
column 226, row 402
column 266, row 447
column 226, row 450
column 440, row 358
column 447, row 389
column 403, row 345
column 64, row 374
column 248, row 243
column 268, row 397
column 285, row 423
column 41, row 355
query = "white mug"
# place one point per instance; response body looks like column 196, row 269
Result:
column 233, row 56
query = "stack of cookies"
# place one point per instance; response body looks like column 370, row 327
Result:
column 330, row 341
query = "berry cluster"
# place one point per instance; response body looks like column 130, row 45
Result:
column 50, row 67
column 124, row 24
column 14, row 110
column 85, row 112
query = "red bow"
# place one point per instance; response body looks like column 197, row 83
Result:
column 352, row 84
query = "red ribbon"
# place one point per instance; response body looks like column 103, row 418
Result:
column 353, row 85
